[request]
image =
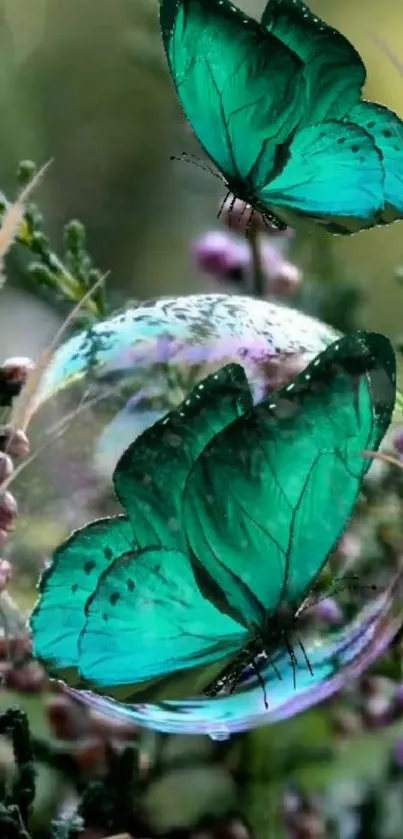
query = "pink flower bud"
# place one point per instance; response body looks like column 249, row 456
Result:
column 225, row 257
column 14, row 442
column 30, row 678
column 17, row 368
column 8, row 511
column 6, row 467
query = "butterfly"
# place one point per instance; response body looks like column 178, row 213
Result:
column 277, row 107
column 231, row 511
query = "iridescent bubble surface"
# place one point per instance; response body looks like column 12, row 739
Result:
column 103, row 388
column 334, row 660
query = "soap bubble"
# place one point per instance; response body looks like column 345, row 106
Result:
column 102, row 389
column 107, row 384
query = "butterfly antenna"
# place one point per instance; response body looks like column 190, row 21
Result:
column 348, row 583
column 261, row 683
column 191, row 158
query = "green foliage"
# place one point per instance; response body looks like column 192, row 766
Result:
column 63, row 280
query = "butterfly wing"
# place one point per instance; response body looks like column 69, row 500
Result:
column 269, row 497
column 241, row 89
column 333, row 173
column 66, row 585
column 137, row 599
column 151, row 474
column 344, row 655
column 386, row 130
column 148, row 619
column 334, row 72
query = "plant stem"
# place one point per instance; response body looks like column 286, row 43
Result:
column 257, row 273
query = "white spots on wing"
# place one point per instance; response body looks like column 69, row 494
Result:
column 286, row 409
column 174, row 525
column 173, row 440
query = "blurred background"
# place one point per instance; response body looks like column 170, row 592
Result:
column 85, row 83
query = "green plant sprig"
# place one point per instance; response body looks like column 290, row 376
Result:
column 71, row 277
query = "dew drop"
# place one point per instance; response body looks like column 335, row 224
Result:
column 219, row 734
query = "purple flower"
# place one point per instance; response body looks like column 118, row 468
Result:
column 221, row 255
column 226, row 257
column 328, row 610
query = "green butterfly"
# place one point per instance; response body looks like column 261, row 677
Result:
column 277, row 106
column 231, row 512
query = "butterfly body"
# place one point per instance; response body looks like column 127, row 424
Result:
column 276, row 634
column 243, row 191
column 277, row 107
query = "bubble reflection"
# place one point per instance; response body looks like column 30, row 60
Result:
column 335, row 662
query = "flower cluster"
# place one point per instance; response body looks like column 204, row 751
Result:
column 226, row 255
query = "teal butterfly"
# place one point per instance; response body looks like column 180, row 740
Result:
column 231, row 512
column 277, row 107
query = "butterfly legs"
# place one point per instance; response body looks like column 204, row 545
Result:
column 293, row 658
column 227, row 683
